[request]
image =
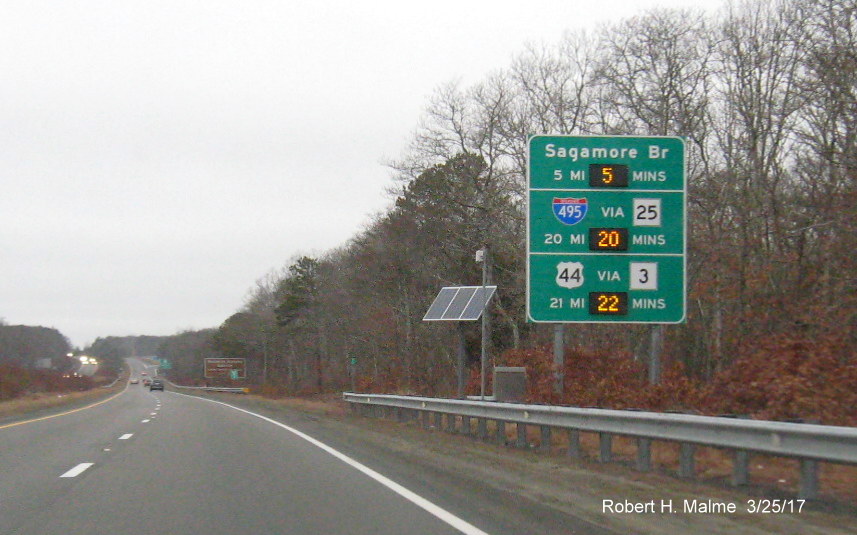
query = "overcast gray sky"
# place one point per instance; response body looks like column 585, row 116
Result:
column 158, row 157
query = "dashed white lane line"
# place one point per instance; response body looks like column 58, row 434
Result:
column 153, row 414
column 126, row 436
column 77, row 470
column 145, row 421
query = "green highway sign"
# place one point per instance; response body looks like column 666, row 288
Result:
column 606, row 229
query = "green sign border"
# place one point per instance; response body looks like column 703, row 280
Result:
column 634, row 152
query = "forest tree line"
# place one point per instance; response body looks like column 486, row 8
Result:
column 764, row 93
column 25, row 345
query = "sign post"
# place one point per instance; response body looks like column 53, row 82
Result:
column 606, row 229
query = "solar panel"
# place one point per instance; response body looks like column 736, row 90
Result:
column 459, row 303
column 440, row 304
column 477, row 303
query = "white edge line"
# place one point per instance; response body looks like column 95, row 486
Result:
column 77, row 470
column 461, row 525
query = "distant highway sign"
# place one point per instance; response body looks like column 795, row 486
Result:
column 224, row 367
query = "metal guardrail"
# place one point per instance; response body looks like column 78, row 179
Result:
column 808, row 442
column 210, row 388
column 111, row 384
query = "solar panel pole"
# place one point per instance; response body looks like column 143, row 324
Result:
column 484, row 360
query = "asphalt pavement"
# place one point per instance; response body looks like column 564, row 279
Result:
column 160, row 462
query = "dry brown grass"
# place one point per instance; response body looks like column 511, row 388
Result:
column 42, row 401
column 36, row 402
column 324, row 405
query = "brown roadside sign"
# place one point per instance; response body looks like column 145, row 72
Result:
column 225, row 368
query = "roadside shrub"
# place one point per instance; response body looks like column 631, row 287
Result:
column 16, row 381
column 787, row 377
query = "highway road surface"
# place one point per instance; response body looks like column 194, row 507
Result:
column 142, row 462
column 161, row 462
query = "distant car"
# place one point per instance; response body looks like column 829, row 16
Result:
column 157, row 384
column 134, row 381
column 144, row 373
column 147, row 381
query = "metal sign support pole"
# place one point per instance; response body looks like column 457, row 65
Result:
column 656, row 346
column 558, row 357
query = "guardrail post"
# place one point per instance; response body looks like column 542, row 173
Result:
column 686, row 465
column 644, row 454
column 605, row 443
column 574, row 443
column 501, row 432
column 466, row 425
column 808, row 479
column 545, row 446
column 521, row 441
column 482, row 428
column 450, row 423
column 740, row 468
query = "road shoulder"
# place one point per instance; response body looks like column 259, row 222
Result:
column 515, row 485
